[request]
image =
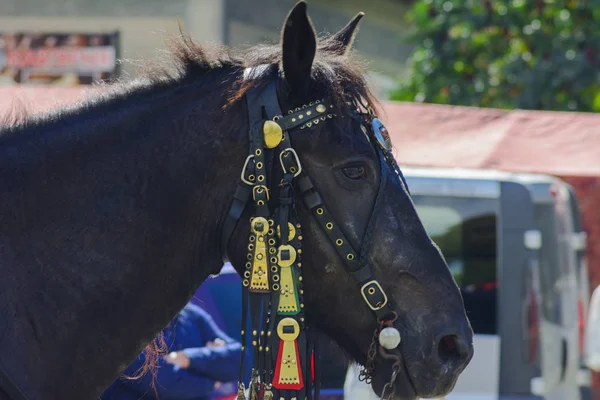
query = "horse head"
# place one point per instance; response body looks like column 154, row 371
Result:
column 367, row 261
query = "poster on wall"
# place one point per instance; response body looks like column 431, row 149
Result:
column 58, row 59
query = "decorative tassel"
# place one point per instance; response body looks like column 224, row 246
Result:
column 289, row 304
column 268, row 393
column 288, row 371
column 241, row 393
column 253, row 389
column 259, row 275
column 253, row 394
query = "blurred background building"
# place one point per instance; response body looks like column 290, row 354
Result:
column 138, row 28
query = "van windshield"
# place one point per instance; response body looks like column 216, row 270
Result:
column 465, row 230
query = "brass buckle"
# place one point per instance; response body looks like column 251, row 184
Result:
column 378, row 306
column 247, row 182
column 289, row 149
column 259, row 189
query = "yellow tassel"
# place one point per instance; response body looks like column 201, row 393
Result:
column 268, row 395
column 253, row 392
column 241, row 394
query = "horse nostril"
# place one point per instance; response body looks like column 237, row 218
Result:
column 452, row 349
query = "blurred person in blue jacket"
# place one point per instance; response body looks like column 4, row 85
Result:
column 201, row 356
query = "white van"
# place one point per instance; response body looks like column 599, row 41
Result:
column 514, row 245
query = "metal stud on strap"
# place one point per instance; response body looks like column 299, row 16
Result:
column 273, row 135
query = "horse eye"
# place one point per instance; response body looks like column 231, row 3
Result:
column 355, row 172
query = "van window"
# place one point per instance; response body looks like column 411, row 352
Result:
column 465, row 231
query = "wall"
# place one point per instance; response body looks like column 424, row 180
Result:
column 144, row 24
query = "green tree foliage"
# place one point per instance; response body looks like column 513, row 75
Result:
column 528, row 54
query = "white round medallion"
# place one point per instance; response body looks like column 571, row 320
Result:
column 389, row 338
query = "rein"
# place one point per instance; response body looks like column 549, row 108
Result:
column 284, row 345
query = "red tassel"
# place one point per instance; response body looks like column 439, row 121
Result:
column 261, row 391
column 312, row 366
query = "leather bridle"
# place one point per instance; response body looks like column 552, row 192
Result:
column 270, row 132
column 258, row 99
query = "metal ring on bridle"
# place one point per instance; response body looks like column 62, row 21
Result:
column 290, row 150
column 243, row 175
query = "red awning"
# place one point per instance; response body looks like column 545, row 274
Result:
column 557, row 143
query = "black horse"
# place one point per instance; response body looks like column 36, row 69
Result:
column 112, row 210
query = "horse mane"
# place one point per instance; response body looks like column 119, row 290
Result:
column 17, row 113
column 341, row 72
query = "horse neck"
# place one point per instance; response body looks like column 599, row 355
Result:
column 110, row 221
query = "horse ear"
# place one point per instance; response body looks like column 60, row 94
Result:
column 299, row 45
column 341, row 42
